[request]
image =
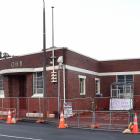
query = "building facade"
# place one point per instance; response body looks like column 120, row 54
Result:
column 90, row 84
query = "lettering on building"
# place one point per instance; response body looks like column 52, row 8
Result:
column 16, row 64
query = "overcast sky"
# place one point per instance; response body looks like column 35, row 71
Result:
column 101, row 29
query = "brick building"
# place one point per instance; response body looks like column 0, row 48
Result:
column 105, row 85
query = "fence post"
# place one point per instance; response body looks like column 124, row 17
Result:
column 17, row 107
column 39, row 105
column 27, row 105
column 2, row 102
column 45, row 110
column 110, row 119
column 94, row 110
column 129, row 115
column 93, row 117
column 48, row 104
column 78, row 120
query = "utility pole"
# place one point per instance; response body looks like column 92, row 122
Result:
column 53, row 73
column 56, row 75
column 44, row 50
column 53, row 57
column 44, row 60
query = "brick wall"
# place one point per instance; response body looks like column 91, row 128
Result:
column 29, row 84
column 80, row 61
column 73, row 88
column 6, row 87
column 119, row 65
column 137, row 84
column 28, row 61
column 11, row 82
column 106, row 82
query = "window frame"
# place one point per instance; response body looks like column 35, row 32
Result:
column 38, row 84
column 84, row 84
column 125, row 78
column 1, row 83
column 2, row 87
column 97, row 86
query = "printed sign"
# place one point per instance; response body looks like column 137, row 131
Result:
column 67, row 109
column 121, row 104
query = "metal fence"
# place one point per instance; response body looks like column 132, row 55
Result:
column 48, row 105
column 87, row 112
column 100, row 119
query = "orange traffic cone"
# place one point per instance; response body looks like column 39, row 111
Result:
column 9, row 118
column 62, row 121
column 135, row 129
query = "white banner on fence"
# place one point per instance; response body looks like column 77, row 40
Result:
column 121, row 104
column 67, row 109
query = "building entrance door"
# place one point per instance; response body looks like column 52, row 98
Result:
column 22, row 91
column 22, row 86
column 17, row 90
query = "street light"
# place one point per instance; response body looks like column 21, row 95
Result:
column 60, row 65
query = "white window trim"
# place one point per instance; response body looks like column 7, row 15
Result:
column 2, row 94
column 83, row 77
column 2, row 90
column 36, row 95
column 99, row 88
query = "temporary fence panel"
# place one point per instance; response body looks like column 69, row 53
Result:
column 101, row 103
column 4, row 112
column 81, row 103
column 99, row 119
column 85, row 111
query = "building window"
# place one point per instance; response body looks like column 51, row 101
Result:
column 38, row 83
column 125, row 78
column 97, row 86
column 1, row 82
column 82, row 82
column 123, row 88
column 1, row 87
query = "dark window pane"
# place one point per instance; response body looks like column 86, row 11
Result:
column 129, row 78
column 121, row 78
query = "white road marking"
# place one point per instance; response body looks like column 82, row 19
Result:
column 25, row 138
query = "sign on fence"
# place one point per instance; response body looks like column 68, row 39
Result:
column 121, row 104
column 67, row 109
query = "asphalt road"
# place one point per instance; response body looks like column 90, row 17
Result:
column 32, row 131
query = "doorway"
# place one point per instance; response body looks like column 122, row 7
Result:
column 22, row 91
column 22, row 86
column 17, row 90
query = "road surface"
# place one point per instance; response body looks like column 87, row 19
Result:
column 32, row 131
